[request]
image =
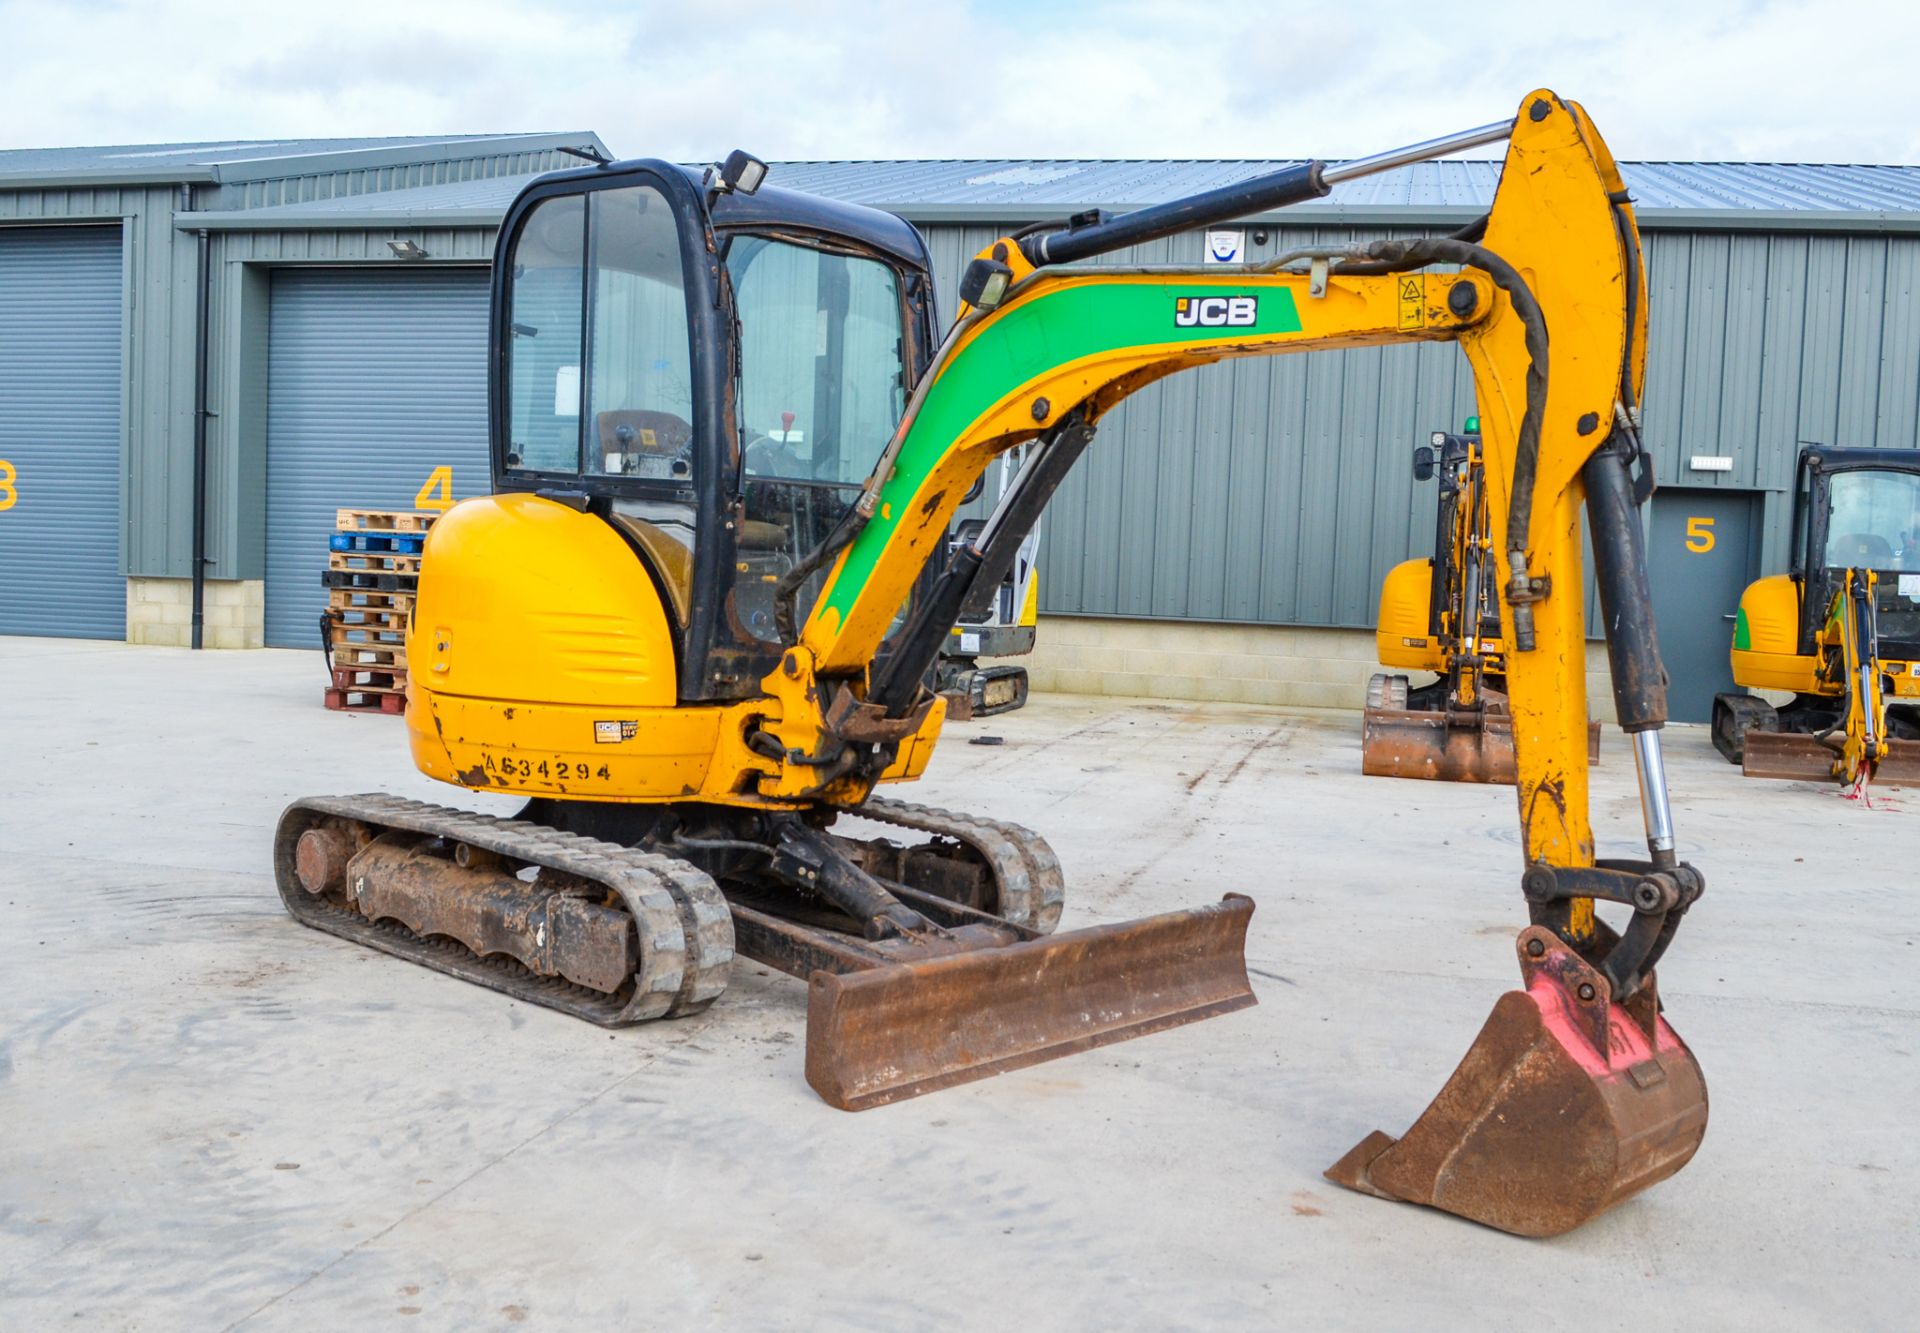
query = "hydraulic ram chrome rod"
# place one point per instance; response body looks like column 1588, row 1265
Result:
column 1277, row 189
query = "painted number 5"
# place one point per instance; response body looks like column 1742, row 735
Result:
column 8, row 491
column 438, row 492
column 1699, row 534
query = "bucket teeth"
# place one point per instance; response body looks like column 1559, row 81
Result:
column 1561, row 1108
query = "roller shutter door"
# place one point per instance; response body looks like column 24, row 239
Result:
column 60, row 337
column 375, row 380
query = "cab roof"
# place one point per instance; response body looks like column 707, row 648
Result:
column 1842, row 458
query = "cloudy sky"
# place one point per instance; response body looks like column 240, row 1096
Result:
column 1756, row 80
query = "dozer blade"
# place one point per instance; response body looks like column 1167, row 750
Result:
column 888, row 1033
column 1562, row 1108
column 1409, row 743
column 1796, row 756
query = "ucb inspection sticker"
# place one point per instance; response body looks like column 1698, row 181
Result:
column 612, row 733
column 1413, row 300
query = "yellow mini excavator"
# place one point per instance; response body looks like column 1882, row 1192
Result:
column 696, row 648
column 1841, row 630
column 1443, row 615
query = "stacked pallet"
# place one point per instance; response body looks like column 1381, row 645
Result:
column 373, row 571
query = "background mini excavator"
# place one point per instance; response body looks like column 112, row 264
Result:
column 1443, row 615
column 1840, row 630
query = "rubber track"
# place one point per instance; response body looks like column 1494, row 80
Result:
column 1032, row 889
column 685, row 928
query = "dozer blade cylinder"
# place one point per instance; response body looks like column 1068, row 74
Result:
column 1408, row 743
column 1562, row 1108
column 896, row 1031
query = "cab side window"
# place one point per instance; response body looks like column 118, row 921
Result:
column 543, row 341
column 641, row 394
column 600, row 378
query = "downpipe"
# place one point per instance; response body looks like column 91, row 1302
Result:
column 203, row 280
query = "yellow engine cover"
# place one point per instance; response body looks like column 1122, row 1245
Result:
column 1401, row 631
column 541, row 662
column 1766, row 636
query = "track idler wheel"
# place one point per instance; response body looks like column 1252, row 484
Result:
column 1566, row 1104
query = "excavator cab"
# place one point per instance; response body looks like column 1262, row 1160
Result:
column 713, row 373
column 1840, row 630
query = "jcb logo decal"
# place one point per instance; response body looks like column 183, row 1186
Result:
column 1216, row 312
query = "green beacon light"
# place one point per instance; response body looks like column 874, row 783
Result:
column 1472, row 427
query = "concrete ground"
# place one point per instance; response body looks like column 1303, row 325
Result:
column 212, row 1118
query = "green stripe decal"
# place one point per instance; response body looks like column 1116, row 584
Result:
column 1742, row 635
column 1023, row 343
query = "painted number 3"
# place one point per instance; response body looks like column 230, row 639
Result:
column 438, row 492
column 1699, row 534
column 8, row 491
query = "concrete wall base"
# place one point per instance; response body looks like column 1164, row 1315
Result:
column 1252, row 664
column 160, row 611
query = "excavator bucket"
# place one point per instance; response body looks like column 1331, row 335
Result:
column 1562, row 1108
column 887, row 1033
column 1797, row 756
column 1412, row 743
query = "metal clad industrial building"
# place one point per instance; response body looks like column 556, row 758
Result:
column 60, row 329
column 1260, row 493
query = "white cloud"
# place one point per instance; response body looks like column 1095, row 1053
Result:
column 1789, row 79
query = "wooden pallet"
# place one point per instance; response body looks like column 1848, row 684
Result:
column 369, row 679
column 384, row 603
column 384, row 562
column 382, row 543
column 364, row 701
column 373, row 570
column 370, row 618
column 371, row 656
column 370, row 580
column 382, row 520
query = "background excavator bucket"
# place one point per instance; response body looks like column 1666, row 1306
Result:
column 1412, row 743
column 1561, row 1108
column 1796, row 756
column 887, row 1033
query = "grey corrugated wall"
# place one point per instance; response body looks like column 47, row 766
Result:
column 1279, row 490
column 239, row 346
column 375, row 378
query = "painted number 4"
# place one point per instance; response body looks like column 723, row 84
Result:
column 438, row 492
column 1699, row 534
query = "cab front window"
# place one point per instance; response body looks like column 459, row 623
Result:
column 822, row 386
column 1875, row 522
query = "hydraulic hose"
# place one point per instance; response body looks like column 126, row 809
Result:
column 1401, row 256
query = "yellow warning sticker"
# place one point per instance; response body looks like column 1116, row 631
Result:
column 1413, row 300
